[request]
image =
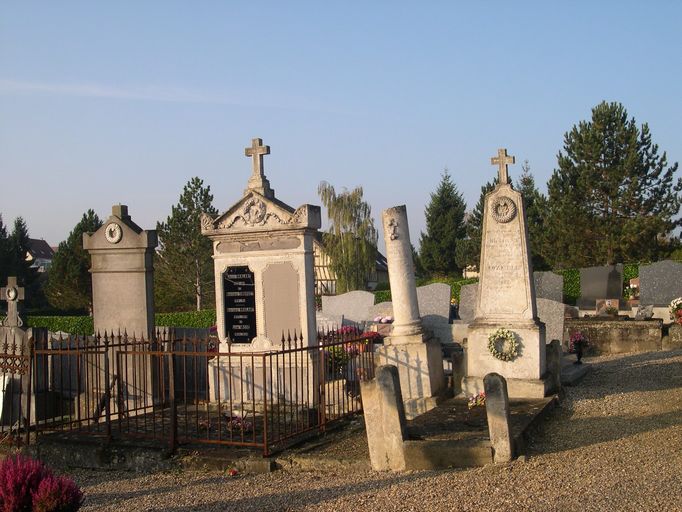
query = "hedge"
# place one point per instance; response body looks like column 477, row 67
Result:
column 83, row 324
column 571, row 284
column 71, row 324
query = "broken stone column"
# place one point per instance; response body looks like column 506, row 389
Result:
column 497, row 410
column 418, row 357
column 384, row 416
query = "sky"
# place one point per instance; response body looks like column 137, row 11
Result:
column 123, row 102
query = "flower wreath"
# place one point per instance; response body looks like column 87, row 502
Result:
column 507, row 338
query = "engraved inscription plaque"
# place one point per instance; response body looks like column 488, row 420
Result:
column 240, row 304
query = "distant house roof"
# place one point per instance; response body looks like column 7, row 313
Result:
column 40, row 249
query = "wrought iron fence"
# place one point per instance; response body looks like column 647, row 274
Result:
column 181, row 390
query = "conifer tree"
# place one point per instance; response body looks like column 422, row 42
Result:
column 535, row 205
column 444, row 229
column 184, row 264
column 69, row 284
column 469, row 250
column 351, row 242
column 5, row 254
column 613, row 198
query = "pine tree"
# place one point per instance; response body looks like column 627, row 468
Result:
column 5, row 254
column 444, row 229
column 613, row 198
column 469, row 250
column 184, row 264
column 535, row 206
column 351, row 242
column 69, row 284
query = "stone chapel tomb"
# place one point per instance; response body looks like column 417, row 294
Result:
column 506, row 297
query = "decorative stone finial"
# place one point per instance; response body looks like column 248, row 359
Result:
column 502, row 160
column 258, row 181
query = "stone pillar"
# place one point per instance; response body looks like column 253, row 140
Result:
column 384, row 416
column 122, row 275
column 497, row 410
column 401, row 272
column 419, row 358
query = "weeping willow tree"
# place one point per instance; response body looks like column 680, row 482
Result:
column 351, row 242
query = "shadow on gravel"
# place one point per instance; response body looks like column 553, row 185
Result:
column 293, row 500
column 591, row 431
column 633, row 373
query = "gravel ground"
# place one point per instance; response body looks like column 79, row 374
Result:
column 614, row 443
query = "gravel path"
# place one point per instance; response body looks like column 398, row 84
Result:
column 614, row 443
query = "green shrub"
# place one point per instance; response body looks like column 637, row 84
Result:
column 571, row 284
column 630, row 271
column 198, row 319
column 455, row 283
column 71, row 324
column 382, row 296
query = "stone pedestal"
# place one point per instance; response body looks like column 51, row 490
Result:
column 419, row 359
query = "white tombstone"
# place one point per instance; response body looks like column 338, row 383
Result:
column 506, row 297
column 264, row 272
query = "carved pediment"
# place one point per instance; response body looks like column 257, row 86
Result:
column 256, row 212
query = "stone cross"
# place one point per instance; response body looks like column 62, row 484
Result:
column 256, row 151
column 502, row 160
column 12, row 294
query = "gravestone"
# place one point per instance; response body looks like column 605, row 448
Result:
column 418, row 357
column 354, row 306
column 122, row 272
column 468, row 294
column 264, row 275
column 549, row 285
column 551, row 313
column 604, row 282
column 434, row 304
column 497, row 411
column 660, row 283
column 506, row 297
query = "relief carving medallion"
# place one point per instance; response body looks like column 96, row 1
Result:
column 113, row 233
column 503, row 209
column 393, row 229
column 254, row 211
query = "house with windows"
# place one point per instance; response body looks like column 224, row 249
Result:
column 40, row 254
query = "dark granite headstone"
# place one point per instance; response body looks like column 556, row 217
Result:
column 660, row 282
column 600, row 283
column 240, row 304
column 549, row 285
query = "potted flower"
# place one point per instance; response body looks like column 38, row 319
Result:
column 576, row 344
column 675, row 309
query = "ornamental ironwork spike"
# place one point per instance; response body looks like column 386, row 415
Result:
column 283, row 338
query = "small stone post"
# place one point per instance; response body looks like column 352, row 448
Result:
column 554, row 354
column 497, row 409
column 384, row 419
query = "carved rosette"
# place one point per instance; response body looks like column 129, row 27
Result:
column 206, row 222
column 503, row 209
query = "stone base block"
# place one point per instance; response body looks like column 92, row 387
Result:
column 530, row 363
column 517, row 388
column 420, row 366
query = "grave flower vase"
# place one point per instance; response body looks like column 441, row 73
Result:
column 579, row 353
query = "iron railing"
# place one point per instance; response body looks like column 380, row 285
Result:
column 180, row 390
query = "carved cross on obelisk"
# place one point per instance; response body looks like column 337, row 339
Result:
column 258, row 181
column 12, row 294
column 502, row 160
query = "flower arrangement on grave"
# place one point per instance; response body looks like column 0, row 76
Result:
column 576, row 344
column 477, row 400
column 502, row 345
column 237, row 424
column 675, row 309
column 383, row 319
column 362, row 343
column 631, row 292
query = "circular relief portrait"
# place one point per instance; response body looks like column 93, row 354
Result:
column 504, row 209
column 113, row 233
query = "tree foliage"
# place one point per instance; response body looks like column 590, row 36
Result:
column 184, row 264
column 469, row 250
column 613, row 198
column 69, row 284
column 535, row 205
column 444, row 229
column 351, row 242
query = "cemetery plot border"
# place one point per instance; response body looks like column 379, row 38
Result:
column 183, row 391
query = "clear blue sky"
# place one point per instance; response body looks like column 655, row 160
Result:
column 107, row 102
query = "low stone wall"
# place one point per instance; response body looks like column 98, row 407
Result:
column 611, row 336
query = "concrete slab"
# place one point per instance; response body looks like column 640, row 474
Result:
column 572, row 374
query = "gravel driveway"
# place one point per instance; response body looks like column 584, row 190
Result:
column 614, row 443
